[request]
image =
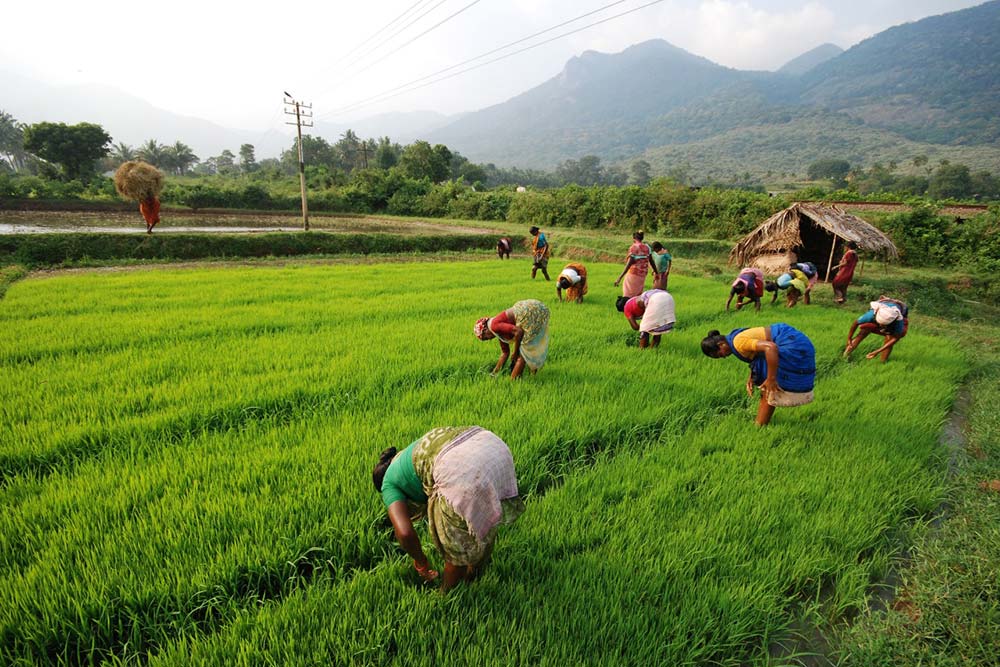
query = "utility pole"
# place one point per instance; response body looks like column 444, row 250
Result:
column 301, row 110
column 364, row 154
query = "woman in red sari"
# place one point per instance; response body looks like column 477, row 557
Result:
column 845, row 272
column 150, row 209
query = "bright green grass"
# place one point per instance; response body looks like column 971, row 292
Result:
column 186, row 461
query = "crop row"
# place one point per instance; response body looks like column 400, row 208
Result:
column 227, row 491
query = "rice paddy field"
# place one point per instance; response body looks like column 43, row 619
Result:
column 186, row 454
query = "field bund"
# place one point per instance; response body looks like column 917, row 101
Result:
column 185, row 461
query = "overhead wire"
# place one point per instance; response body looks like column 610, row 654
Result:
column 413, row 39
column 492, row 51
column 396, row 92
column 378, row 32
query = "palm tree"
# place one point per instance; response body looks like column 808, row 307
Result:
column 151, row 152
column 122, row 152
column 12, row 141
column 183, row 157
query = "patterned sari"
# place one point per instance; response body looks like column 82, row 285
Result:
column 533, row 316
column 450, row 531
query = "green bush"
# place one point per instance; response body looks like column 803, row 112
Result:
column 38, row 250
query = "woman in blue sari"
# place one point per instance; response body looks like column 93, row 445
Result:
column 782, row 363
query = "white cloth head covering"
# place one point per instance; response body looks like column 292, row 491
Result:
column 885, row 313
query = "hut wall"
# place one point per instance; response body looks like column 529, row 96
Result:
column 774, row 263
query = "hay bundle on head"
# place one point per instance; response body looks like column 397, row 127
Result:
column 138, row 180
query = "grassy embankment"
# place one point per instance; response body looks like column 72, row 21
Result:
column 187, row 453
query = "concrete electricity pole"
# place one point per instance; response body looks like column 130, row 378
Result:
column 301, row 110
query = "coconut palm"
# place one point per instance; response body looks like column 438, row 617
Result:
column 151, row 152
column 122, row 152
column 182, row 157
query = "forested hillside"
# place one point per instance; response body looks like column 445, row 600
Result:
column 911, row 90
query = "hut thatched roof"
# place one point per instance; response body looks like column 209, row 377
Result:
column 782, row 232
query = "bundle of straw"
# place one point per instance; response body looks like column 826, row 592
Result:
column 138, row 180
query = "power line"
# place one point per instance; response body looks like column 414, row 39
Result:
column 364, row 103
column 379, row 31
column 405, row 44
column 379, row 45
column 483, row 55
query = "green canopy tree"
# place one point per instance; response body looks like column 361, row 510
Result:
column 248, row 161
column 152, row 152
column 75, row 148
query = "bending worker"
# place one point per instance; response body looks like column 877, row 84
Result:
column 526, row 325
column 655, row 309
column 573, row 279
column 782, row 363
column 463, row 480
column 887, row 317
column 748, row 285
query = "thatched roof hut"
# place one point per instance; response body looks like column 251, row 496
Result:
column 808, row 233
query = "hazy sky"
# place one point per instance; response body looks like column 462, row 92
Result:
column 230, row 61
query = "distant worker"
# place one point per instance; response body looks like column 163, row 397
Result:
column 798, row 287
column 573, row 279
column 503, row 248
column 540, row 252
column 845, row 272
column 636, row 267
column 526, row 325
column 660, row 260
column 463, row 480
column 887, row 317
column 141, row 182
column 748, row 285
column 651, row 314
column 782, row 363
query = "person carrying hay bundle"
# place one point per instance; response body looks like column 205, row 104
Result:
column 463, row 480
column 782, row 363
column 141, row 182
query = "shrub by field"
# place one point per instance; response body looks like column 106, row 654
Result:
column 185, row 460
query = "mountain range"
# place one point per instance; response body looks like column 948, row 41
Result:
column 931, row 87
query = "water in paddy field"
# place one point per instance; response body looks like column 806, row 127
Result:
column 138, row 229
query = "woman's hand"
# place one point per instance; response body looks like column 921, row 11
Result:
column 618, row 282
column 750, row 386
column 872, row 355
column 770, row 385
column 425, row 571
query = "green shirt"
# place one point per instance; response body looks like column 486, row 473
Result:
column 661, row 262
column 401, row 481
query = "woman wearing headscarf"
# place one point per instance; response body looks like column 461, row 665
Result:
column 573, row 279
column 526, row 326
column 887, row 317
column 636, row 267
column 463, row 480
column 845, row 272
column 748, row 285
column 651, row 314
column 782, row 363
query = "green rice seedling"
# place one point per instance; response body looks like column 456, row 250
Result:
column 186, row 458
